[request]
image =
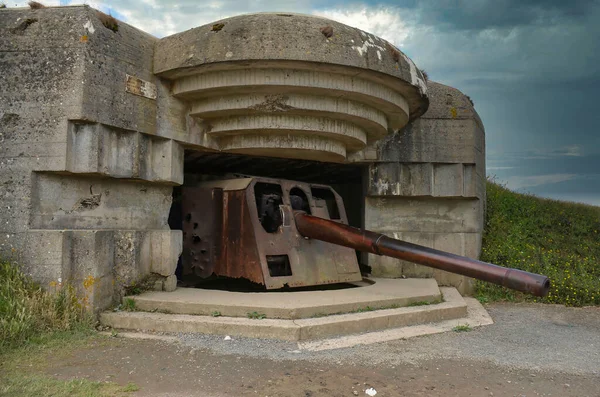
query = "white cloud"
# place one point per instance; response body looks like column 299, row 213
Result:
column 162, row 18
column 564, row 151
column 521, row 182
column 572, row 151
column 383, row 22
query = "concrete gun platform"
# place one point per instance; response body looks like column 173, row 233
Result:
column 185, row 310
column 369, row 294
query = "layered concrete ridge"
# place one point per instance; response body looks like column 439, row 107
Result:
column 369, row 295
column 290, row 85
column 454, row 308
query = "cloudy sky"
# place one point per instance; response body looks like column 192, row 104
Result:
column 532, row 68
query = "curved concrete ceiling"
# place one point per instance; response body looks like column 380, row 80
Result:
column 292, row 86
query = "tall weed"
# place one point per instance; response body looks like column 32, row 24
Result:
column 26, row 310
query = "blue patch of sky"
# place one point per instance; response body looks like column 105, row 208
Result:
column 113, row 12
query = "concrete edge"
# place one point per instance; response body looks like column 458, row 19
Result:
column 476, row 316
column 202, row 309
column 175, row 323
column 292, row 330
column 453, row 306
column 233, row 306
column 141, row 336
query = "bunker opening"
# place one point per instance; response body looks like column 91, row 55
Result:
column 312, row 193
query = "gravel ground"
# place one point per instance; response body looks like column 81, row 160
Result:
column 531, row 350
column 524, row 336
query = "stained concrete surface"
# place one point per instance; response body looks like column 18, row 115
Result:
column 382, row 293
column 531, row 350
column 454, row 308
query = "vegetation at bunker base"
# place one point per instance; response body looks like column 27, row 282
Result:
column 558, row 239
column 37, row 327
column 27, row 311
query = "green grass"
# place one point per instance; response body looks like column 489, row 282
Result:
column 131, row 387
column 128, row 305
column 22, row 368
column 558, row 239
column 35, row 325
column 363, row 309
column 425, row 303
column 462, row 328
column 256, row 316
column 38, row 385
column 27, row 311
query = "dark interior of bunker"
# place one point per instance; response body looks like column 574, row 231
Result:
column 345, row 179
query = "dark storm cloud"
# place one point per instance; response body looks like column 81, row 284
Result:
column 532, row 69
column 491, row 14
column 479, row 15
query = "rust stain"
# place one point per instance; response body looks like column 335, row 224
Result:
column 89, row 282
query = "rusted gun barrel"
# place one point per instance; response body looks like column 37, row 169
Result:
column 376, row 243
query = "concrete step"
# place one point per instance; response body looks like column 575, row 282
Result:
column 371, row 294
column 453, row 307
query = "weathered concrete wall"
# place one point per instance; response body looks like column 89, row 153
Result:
column 85, row 176
column 426, row 185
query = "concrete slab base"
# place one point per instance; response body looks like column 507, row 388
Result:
column 370, row 294
column 454, row 307
column 476, row 316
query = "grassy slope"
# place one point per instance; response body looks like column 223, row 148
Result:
column 558, row 239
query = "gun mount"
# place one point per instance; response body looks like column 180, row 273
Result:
column 278, row 233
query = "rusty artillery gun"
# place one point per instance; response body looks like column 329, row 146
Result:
column 283, row 233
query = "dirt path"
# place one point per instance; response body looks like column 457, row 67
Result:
column 532, row 350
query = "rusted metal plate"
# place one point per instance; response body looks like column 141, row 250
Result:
column 311, row 262
column 239, row 256
column 202, row 221
column 237, row 244
column 140, row 87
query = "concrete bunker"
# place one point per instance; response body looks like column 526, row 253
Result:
column 89, row 177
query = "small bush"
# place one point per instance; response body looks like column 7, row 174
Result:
column 108, row 21
column 558, row 239
column 128, row 305
column 256, row 316
column 34, row 5
column 26, row 310
column 131, row 387
column 420, row 303
column 462, row 328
